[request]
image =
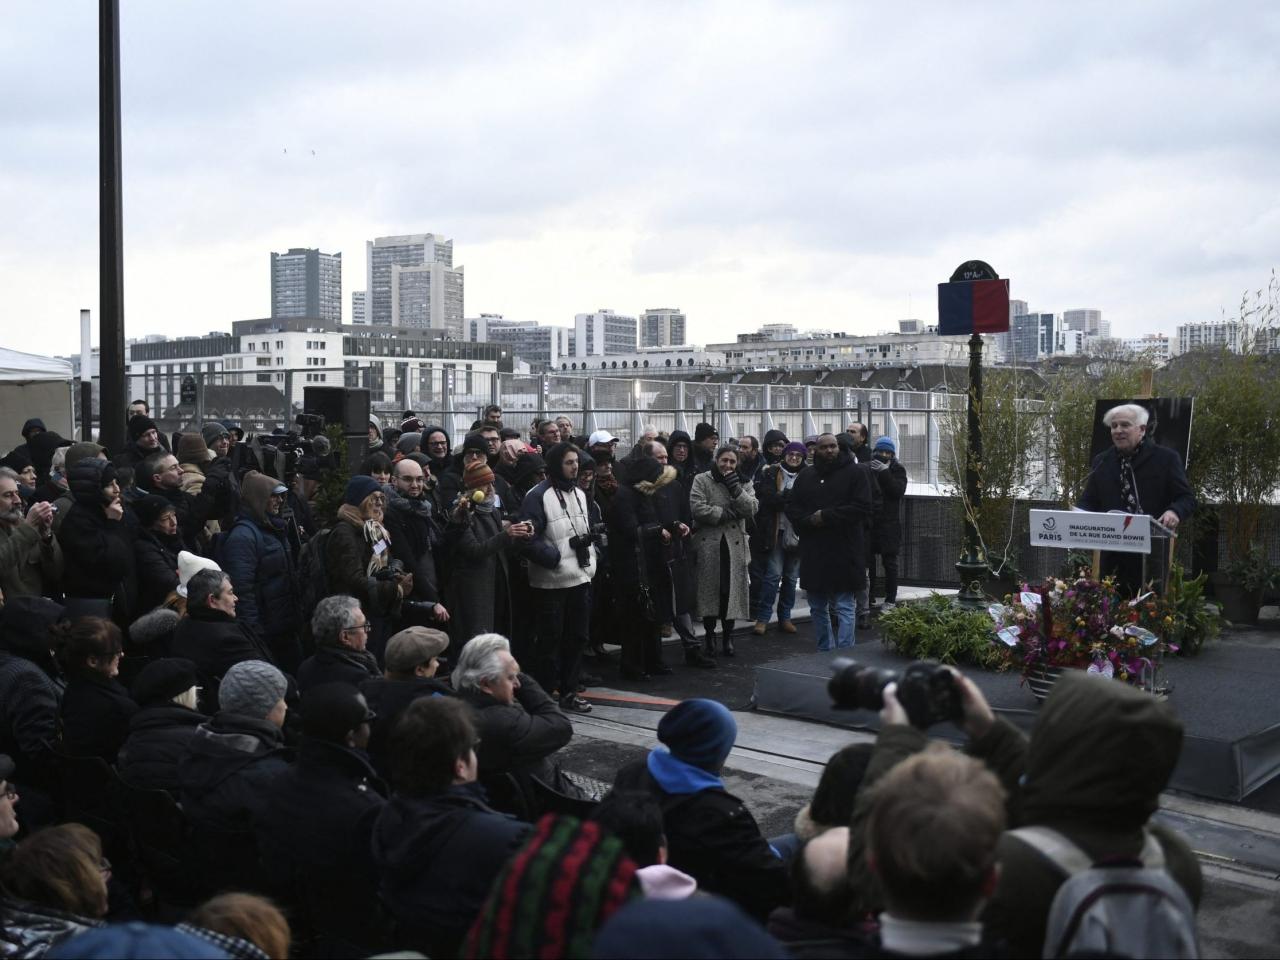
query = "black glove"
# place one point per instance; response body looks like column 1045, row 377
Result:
column 734, row 483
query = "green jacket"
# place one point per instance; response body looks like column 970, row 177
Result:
column 29, row 566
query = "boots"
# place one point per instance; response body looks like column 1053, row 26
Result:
column 694, row 657
column 760, row 627
column 786, row 626
column 709, row 643
column 726, row 642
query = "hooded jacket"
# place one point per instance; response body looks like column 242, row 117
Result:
column 97, row 552
column 227, row 774
column 159, row 735
column 437, row 857
column 831, row 553
column 156, row 557
column 257, row 556
column 439, row 463
column 635, row 532
column 559, row 512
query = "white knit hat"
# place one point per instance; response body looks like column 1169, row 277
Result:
column 189, row 564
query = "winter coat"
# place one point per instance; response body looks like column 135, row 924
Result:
column 635, row 533
column 671, row 502
column 157, row 566
column 713, row 837
column 1161, row 480
column 159, row 736
column 337, row 665
column 773, row 499
column 229, row 770
column 388, row 699
column 96, row 710
column 183, row 508
column 29, row 710
column 30, row 566
column 831, row 555
column 346, row 565
column 479, row 594
column 416, row 534
column 519, row 737
column 260, row 562
column 320, row 814
column 559, row 512
column 437, row 858
column 215, row 642
column 32, row 930
column 886, row 529
column 720, row 517
column 97, row 553
column 807, row 939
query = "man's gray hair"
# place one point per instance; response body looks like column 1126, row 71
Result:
column 9, row 473
column 333, row 615
column 1129, row 411
column 480, row 661
column 59, row 459
column 202, row 586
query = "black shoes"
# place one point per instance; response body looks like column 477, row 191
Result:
column 636, row 676
column 726, row 642
column 694, row 657
column 864, row 621
column 574, row 704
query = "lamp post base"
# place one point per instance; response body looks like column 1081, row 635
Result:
column 973, row 574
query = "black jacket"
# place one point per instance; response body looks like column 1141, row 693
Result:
column 320, row 814
column 346, row 564
column 215, row 642
column 229, row 771
column 773, row 504
column 520, row 737
column 479, row 593
column 157, row 567
column 416, row 534
column 807, row 939
column 388, row 699
column 886, row 530
column 96, row 710
column 98, row 557
column 159, row 736
column 831, row 554
column 713, row 837
column 182, row 503
column 29, row 709
column 334, row 664
column 636, row 522
column 437, row 857
column 1162, row 482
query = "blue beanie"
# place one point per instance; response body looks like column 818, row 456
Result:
column 142, row 940
column 358, row 488
column 703, row 926
column 886, row 443
column 794, row 447
column 699, row 732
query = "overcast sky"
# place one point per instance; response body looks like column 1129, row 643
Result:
column 824, row 164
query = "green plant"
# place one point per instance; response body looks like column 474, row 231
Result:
column 1194, row 620
column 334, row 484
column 1254, row 571
column 937, row 629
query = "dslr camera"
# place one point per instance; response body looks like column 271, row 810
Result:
column 394, row 570
column 927, row 691
column 581, row 543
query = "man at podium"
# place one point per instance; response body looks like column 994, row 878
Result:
column 1136, row 476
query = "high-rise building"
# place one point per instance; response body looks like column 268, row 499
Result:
column 603, row 333
column 542, row 348
column 1090, row 321
column 412, row 282
column 1150, row 346
column 1022, row 343
column 1215, row 335
column 662, row 327
column 306, row 283
column 1048, row 338
column 359, row 307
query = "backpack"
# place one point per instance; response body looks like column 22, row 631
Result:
column 313, row 584
column 1129, row 908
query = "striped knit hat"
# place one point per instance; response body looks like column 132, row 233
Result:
column 555, row 893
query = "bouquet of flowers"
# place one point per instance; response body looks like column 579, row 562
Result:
column 1083, row 624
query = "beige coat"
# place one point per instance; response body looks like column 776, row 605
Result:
column 718, row 518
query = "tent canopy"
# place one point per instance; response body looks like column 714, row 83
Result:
column 20, row 367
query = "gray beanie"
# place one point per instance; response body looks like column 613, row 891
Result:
column 252, row 688
column 211, row 432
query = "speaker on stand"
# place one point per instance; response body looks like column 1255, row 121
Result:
column 347, row 406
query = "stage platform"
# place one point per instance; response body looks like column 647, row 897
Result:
column 1228, row 699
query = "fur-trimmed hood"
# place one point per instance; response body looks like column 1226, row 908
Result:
column 649, row 488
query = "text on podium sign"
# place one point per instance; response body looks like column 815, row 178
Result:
column 1078, row 530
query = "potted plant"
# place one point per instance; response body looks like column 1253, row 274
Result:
column 1241, row 590
column 1193, row 620
column 1081, row 624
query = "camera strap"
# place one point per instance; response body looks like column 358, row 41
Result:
column 573, row 527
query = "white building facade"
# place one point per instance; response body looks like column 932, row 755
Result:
column 603, row 333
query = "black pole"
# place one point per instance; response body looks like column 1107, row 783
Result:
column 972, row 566
column 86, row 410
column 111, row 400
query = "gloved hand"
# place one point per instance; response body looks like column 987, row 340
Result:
column 877, row 465
column 734, row 484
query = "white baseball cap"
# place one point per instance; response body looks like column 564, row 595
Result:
column 601, row 436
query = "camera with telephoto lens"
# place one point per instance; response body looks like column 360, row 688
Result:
column 927, row 691
column 394, row 570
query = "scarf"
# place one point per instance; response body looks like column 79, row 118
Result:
column 373, row 533
column 486, row 505
column 1129, row 480
column 675, row 776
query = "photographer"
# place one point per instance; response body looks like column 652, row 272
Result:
column 415, row 536
column 563, row 559
column 358, row 558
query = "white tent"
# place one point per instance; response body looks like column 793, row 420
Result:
column 34, row 386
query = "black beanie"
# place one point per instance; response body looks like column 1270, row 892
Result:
column 164, row 679
column 332, row 710
column 150, row 508
column 138, row 425
column 704, row 430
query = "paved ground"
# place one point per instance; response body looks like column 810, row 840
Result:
column 778, row 761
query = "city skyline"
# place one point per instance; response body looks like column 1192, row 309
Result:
column 754, row 165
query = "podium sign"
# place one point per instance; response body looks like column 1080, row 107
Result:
column 1080, row 530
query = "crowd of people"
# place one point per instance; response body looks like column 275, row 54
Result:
column 231, row 725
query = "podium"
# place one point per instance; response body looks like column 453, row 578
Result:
column 1115, row 532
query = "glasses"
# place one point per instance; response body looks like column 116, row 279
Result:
column 412, row 481
column 438, row 443
column 377, row 498
column 366, row 627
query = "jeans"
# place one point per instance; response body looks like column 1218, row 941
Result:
column 563, row 625
column 780, row 572
column 821, row 608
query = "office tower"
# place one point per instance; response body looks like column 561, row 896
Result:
column 359, row 307
column 603, row 333
column 662, row 327
column 306, row 283
column 412, row 282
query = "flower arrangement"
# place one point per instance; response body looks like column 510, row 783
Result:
column 1084, row 624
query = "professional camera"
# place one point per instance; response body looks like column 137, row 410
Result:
column 394, row 570
column 581, row 543
column 927, row 691
column 423, row 608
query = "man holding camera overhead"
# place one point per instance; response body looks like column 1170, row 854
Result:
column 562, row 559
